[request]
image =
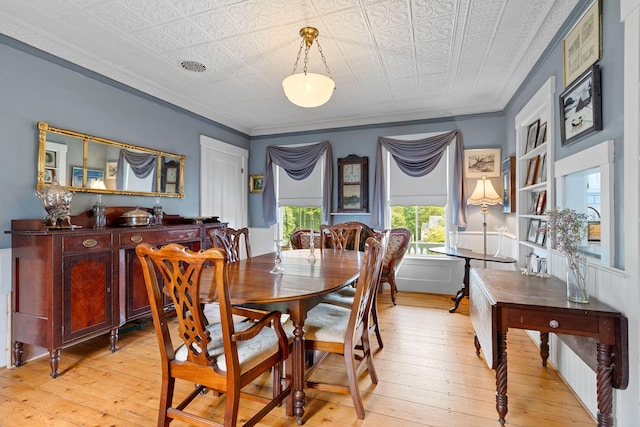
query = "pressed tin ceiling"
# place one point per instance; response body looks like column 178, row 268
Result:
column 392, row 60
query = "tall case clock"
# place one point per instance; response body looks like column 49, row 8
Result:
column 353, row 184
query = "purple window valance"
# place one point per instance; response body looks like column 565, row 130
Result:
column 418, row 158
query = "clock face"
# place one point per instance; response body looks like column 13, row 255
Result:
column 171, row 174
column 351, row 173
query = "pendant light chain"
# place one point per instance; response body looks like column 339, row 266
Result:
column 324, row 60
column 295, row 66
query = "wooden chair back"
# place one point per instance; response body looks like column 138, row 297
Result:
column 365, row 232
column 340, row 236
column 230, row 240
column 399, row 240
column 213, row 356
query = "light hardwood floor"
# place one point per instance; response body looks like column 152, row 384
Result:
column 429, row 375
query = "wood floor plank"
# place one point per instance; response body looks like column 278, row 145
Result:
column 428, row 372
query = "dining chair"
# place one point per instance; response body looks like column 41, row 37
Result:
column 344, row 298
column 301, row 239
column 399, row 240
column 340, row 236
column 365, row 232
column 223, row 356
column 230, row 240
column 334, row 329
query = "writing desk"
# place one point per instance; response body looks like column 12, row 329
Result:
column 500, row 300
column 467, row 255
column 302, row 286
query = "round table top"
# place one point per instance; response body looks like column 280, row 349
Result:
column 469, row 254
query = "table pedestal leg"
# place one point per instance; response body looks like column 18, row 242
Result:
column 604, row 386
column 501, row 377
column 296, row 358
column 465, row 286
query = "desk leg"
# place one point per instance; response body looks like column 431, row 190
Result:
column 604, row 386
column 544, row 347
column 465, row 286
column 501, row 377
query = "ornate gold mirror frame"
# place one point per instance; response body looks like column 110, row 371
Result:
column 91, row 164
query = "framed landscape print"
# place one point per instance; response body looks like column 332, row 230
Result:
column 483, row 162
column 583, row 45
column 580, row 107
column 255, row 183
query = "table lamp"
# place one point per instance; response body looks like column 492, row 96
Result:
column 484, row 194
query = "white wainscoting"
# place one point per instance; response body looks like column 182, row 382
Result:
column 606, row 285
column 442, row 274
column 5, row 307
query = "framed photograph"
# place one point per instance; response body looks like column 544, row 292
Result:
column 49, row 175
column 542, row 169
column 255, row 183
column 532, row 171
column 483, row 162
column 583, row 43
column 541, row 202
column 50, row 159
column 580, row 107
column 509, row 184
column 112, row 170
column 542, row 134
column 92, row 176
column 532, row 135
column 532, row 234
column 541, row 237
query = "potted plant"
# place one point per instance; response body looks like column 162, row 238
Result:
column 568, row 231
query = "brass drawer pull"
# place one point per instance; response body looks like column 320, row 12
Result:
column 554, row 324
column 191, row 234
column 136, row 239
column 89, row 243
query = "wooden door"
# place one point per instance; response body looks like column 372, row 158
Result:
column 223, row 181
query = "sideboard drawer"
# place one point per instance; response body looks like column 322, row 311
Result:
column 552, row 322
column 83, row 243
column 155, row 237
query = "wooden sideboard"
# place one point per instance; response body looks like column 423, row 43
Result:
column 70, row 285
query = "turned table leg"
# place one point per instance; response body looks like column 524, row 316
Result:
column 604, row 386
column 501, row 377
column 544, row 347
column 113, row 340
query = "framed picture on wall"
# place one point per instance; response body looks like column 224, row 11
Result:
column 255, row 183
column 483, row 162
column 583, row 44
column 532, row 135
column 509, row 184
column 580, row 107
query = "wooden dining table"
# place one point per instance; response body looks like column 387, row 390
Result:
column 301, row 285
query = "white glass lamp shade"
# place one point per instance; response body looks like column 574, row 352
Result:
column 308, row 90
column 484, row 193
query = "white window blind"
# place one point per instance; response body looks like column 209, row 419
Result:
column 428, row 190
column 304, row 193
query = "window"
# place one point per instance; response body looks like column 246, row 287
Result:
column 299, row 202
column 420, row 203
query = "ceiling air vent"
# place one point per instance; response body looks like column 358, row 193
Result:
column 194, row 66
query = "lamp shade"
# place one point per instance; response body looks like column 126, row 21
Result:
column 484, row 194
column 308, row 89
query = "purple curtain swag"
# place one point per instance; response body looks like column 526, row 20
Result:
column 418, row 158
column 298, row 162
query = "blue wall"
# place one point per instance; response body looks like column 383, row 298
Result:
column 611, row 68
column 39, row 87
column 482, row 131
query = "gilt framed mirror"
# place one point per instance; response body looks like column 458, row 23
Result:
column 92, row 164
